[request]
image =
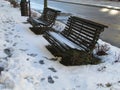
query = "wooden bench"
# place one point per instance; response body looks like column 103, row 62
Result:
column 78, row 39
column 46, row 20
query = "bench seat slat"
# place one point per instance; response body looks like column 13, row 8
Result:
column 55, row 43
column 40, row 22
column 64, row 40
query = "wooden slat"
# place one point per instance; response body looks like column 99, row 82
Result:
column 53, row 43
column 81, row 32
column 81, row 35
column 78, row 19
column 86, row 32
column 79, row 41
column 84, row 26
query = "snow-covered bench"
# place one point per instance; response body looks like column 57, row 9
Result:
column 79, row 35
column 46, row 20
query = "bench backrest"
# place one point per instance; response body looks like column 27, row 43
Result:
column 49, row 15
column 82, row 32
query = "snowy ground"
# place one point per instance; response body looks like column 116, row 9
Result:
column 28, row 65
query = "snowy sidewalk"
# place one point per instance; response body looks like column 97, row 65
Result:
column 28, row 65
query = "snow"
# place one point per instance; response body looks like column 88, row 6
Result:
column 63, row 40
column 28, row 65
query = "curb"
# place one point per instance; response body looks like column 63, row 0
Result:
column 92, row 5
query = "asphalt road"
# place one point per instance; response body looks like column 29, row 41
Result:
column 109, row 17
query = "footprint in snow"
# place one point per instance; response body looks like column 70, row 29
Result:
column 102, row 68
column 12, row 29
column 50, row 80
column 8, row 51
column 41, row 62
column 56, row 77
column 4, row 45
column 42, row 79
column 32, row 54
column 1, row 5
column 52, row 69
column 27, row 59
column 1, row 69
column 14, row 44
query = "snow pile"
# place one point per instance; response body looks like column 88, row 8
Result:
column 28, row 65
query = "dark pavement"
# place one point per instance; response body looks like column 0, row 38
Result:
column 109, row 17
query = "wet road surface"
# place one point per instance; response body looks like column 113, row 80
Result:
column 109, row 17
